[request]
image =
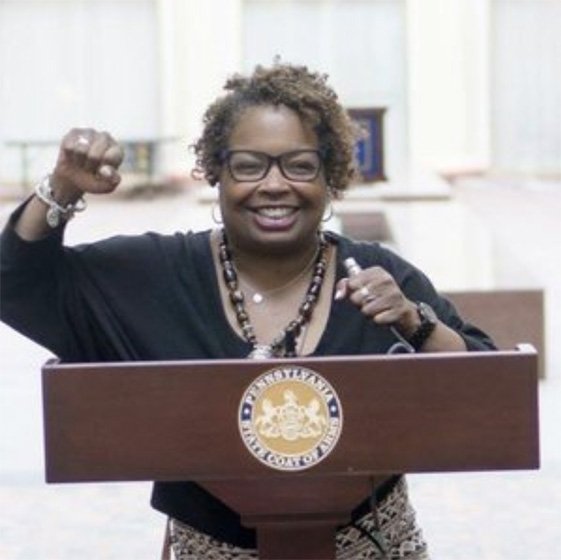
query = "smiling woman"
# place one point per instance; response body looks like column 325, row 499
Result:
column 271, row 213
column 270, row 283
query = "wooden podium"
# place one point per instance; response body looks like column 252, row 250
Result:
column 400, row 414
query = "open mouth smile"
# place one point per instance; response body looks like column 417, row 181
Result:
column 275, row 212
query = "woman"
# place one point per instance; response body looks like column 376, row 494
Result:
column 269, row 282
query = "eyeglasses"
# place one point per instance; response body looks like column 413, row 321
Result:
column 298, row 165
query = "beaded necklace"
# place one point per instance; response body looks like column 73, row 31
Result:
column 285, row 343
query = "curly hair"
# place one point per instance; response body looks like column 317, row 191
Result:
column 296, row 87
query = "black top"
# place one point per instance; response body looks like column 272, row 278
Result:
column 156, row 297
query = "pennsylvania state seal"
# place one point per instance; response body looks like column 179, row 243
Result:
column 290, row 418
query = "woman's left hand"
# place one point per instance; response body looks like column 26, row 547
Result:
column 375, row 292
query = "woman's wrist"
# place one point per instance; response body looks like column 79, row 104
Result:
column 63, row 192
column 62, row 201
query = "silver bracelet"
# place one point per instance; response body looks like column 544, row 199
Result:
column 56, row 212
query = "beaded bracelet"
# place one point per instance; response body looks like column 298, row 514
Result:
column 56, row 212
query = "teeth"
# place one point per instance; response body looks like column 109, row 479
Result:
column 275, row 213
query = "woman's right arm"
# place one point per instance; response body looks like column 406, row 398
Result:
column 87, row 163
column 37, row 295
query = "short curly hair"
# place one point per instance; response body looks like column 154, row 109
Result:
column 296, row 87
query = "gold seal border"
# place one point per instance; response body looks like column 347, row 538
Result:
column 272, row 458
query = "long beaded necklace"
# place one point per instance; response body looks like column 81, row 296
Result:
column 285, row 343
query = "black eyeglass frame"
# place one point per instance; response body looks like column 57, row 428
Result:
column 278, row 160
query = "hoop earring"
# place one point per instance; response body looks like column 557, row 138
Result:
column 328, row 214
column 216, row 219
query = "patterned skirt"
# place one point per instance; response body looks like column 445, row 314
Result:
column 390, row 532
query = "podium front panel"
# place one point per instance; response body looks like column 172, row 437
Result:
column 179, row 420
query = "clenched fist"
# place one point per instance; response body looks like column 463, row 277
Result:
column 87, row 162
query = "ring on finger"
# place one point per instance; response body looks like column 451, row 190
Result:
column 82, row 141
column 364, row 292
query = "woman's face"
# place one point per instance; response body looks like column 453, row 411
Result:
column 275, row 213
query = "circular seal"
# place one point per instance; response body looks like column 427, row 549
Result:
column 290, row 418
